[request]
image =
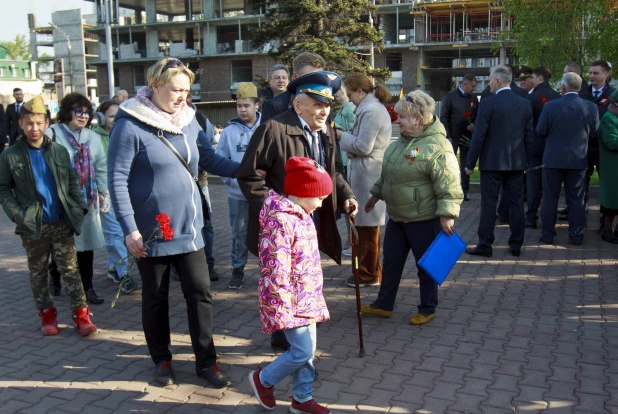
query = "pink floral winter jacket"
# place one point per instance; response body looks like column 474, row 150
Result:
column 290, row 287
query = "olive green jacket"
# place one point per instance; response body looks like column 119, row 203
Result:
column 18, row 194
column 420, row 186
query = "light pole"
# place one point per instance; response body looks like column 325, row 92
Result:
column 69, row 49
column 110, row 53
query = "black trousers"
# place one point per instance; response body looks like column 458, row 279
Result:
column 593, row 161
column 574, row 186
column 534, row 179
column 195, row 284
column 85, row 262
column 398, row 240
column 513, row 192
column 463, row 156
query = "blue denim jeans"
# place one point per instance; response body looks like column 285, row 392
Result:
column 297, row 361
column 114, row 240
column 239, row 217
column 207, row 231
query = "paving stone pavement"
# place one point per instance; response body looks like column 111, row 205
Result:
column 534, row 334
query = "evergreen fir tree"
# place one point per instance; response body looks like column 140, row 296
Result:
column 338, row 30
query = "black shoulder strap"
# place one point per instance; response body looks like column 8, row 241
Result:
column 176, row 153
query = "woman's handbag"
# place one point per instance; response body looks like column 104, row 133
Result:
column 164, row 140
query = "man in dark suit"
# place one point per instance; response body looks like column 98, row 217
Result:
column 525, row 78
column 566, row 124
column 521, row 72
column 11, row 124
column 302, row 64
column 541, row 94
column 457, row 114
column 502, row 139
column 3, row 139
column 598, row 92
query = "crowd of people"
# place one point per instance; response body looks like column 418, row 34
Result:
column 292, row 168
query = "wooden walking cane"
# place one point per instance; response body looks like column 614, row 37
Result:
column 354, row 234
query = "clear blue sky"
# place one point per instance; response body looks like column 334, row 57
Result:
column 14, row 17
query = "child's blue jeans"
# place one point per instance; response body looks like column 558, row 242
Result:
column 297, row 361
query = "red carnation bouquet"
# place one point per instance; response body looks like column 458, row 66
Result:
column 543, row 99
column 162, row 231
column 391, row 112
column 467, row 115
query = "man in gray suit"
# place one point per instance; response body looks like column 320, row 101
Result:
column 565, row 125
column 503, row 137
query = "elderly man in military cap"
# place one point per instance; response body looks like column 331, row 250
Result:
column 301, row 131
column 44, row 200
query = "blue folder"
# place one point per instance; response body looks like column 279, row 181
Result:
column 442, row 255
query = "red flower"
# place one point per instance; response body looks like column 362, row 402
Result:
column 164, row 225
column 604, row 100
column 467, row 115
column 391, row 112
column 543, row 99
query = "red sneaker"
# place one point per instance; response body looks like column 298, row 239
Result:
column 264, row 395
column 49, row 325
column 308, row 407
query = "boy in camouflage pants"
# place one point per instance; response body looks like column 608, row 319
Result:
column 40, row 193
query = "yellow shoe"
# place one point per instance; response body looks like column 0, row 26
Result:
column 376, row 311
column 419, row 319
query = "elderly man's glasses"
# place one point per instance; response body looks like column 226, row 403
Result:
column 79, row 112
column 409, row 99
column 174, row 63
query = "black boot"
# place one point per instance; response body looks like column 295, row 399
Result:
column 216, row 378
column 164, row 375
column 92, row 297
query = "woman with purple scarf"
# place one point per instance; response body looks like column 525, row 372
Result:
column 90, row 165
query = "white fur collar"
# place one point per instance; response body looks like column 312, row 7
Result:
column 142, row 113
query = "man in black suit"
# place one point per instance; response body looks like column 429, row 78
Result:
column 541, row 94
column 11, row 124
column 525, row 78
column 502, row 139
column 521, row 72
column 302, row 64
column 566, row 124
column 3, row 139
column 598, row 92
column 457, row 114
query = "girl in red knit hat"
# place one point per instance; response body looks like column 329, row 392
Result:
column 290, row 287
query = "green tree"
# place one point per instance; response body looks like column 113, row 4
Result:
column 18, row 49
column 554, row 32
column 338, row 30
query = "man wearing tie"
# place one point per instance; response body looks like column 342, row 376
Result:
column 301, row 131
column 502, row 138
column 598, row 92
column 565, row 126
column 11, row 124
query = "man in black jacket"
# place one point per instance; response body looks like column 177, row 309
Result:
column 457, row 114
column 11, row 123
column 501, row 141
column 541, row 94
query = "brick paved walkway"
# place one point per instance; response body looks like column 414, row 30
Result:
column 537, row 334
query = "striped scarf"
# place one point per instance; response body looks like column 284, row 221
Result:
column 84, row 168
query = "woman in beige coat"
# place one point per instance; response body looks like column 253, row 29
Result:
column 365, row 145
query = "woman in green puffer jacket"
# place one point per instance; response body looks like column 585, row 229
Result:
column 420, row 184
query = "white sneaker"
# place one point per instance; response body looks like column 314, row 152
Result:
column 347, row 252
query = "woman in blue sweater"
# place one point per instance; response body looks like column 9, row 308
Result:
column 146, row 179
